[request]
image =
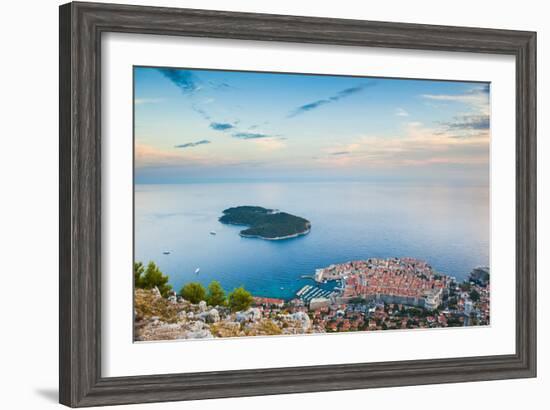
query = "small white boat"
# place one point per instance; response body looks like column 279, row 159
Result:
column 212, row 232
column 166, row 252
column 197, row 271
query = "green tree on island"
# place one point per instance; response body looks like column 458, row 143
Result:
column 194, row 292
column 216, row 294
column 239, row 299
column 150, row 278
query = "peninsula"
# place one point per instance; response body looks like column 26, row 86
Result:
column 263, row 223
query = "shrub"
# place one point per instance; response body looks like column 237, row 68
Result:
column 239, row 299
column 150, row 278
column 216, row 294
column 138, row 271
column 194, row 292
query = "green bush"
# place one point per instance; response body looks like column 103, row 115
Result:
column 239, row 299
column 194, row 292
column 150, row 278
column 216, row 294
column 138, row 271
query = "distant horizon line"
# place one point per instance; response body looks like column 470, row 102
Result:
column 315, row 180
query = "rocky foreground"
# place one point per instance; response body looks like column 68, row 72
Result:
column 159, row 318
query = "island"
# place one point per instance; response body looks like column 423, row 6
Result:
column 263, row 223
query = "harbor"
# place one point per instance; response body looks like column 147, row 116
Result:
column 309, row 292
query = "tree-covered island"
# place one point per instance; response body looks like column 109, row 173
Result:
column 265, row 223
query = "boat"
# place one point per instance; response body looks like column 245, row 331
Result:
column 166, row 252
column 197, row 271
column 212, row 232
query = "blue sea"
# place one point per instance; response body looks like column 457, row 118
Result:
column 448, row 226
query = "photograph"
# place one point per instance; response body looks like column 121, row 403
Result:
column 275, row 204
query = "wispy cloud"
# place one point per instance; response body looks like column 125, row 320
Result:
column 185, row 80
column 400, row 112
column 251, row 135
column 347, row 92
column 477, row 98
column 270, row 143
column 221, row 126
column 219, row 86
column 201, row 112
column 148, row 156
column 469, row 122
column 192, row 144
column 140, row 101
column 473, row 120
column 416, row 146
column 188, row 82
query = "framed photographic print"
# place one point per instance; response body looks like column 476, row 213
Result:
column 261, row 204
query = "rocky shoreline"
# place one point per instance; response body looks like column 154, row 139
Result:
column 278, row 238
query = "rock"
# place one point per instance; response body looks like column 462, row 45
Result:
column 202, row 306
column 190, row 315
column 199, row 334
column 198, row 330
column 303, row 319
column 212, row 316
column 250, row 315
column 156, row 292
column 173, row 299
column 182, row 314
column 196, row 326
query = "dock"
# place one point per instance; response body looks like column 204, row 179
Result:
column 309, row 292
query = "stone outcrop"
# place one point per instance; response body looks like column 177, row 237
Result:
column 171, row 318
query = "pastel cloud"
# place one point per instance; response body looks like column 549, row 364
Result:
column 141, row 101
column 417, row 146
column 148, row 156
column 476, row 98
column 270, row 144
column 400, row 112
column 469, row 122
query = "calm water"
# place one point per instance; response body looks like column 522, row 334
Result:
column 446, row 226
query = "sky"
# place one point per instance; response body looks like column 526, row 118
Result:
column 212, row 125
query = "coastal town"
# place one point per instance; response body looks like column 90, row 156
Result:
column 364, row 295
column 395, row 293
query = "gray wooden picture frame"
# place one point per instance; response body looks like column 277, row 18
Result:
column 81, row 28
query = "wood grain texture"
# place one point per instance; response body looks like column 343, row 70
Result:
column 81, row 26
